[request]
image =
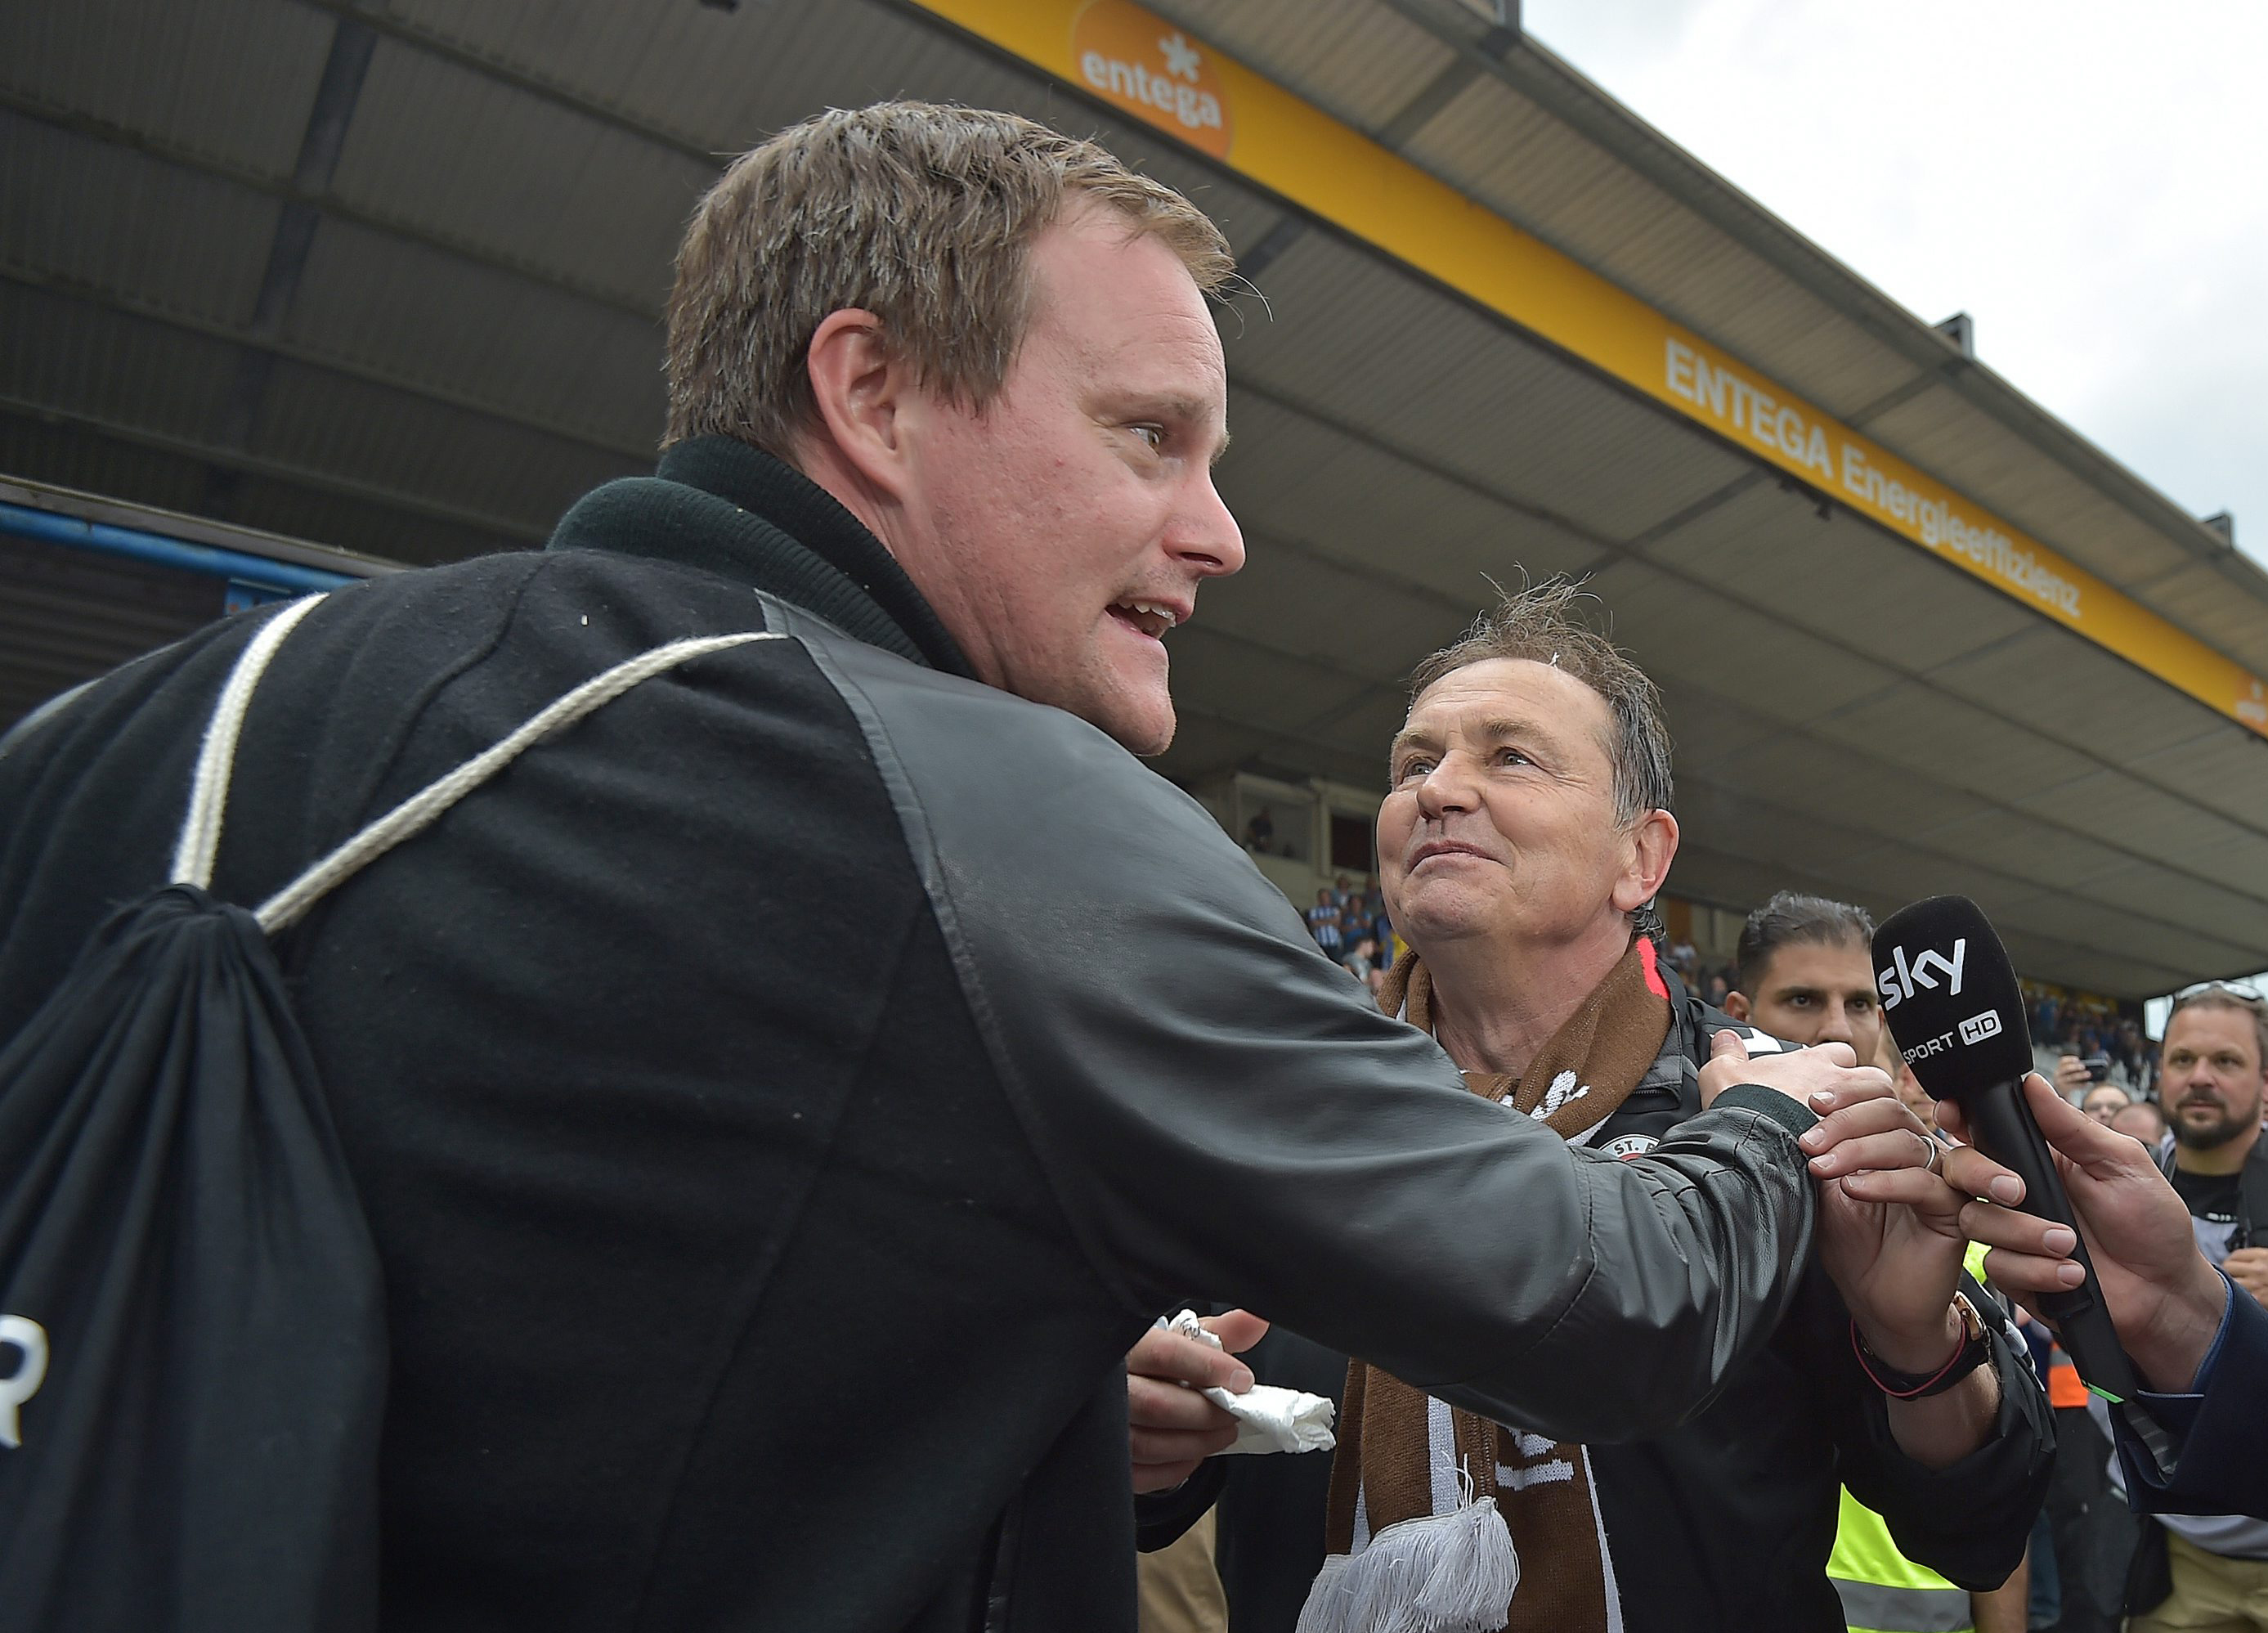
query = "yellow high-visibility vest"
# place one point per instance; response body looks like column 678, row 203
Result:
column 1884, row 1592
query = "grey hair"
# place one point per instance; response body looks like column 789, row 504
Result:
column 1537, row 623
column 921, row 214
column 1788, row 919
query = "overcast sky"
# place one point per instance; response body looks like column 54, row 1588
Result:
column 2089, row 180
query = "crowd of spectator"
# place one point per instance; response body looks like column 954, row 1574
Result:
column 2066, row 1026
column 1349, row 922
column 1712, row 981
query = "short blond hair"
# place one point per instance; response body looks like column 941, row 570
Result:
column 921, row 214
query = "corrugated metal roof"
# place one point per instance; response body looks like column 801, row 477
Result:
column 475, row 161
column 2064, row 687
column 1304, row 483
column 1879, row 595
column 1357, row 61
column 229, row 79
column 2197, row 597
column 715, row 80
column 71, row 457
column 1497, row 146
column 2222, row 769
column 1958, row 442
column 95, row 214
column 476, row 464
column 421, row 317
column 1682, row 628
column 1367, row 346
column 61, row 354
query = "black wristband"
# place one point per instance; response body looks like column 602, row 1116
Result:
column 1782, row 1109
column 1976, row 1350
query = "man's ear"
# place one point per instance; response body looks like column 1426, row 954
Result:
column 1654, row 845
column 860, row 388
column 1737, row 1005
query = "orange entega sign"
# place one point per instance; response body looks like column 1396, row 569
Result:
column 1137, row 61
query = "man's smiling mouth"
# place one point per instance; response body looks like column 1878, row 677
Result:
column 1448, row 847
column 1152, row 619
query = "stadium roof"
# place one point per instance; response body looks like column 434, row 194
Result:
column 386, row 279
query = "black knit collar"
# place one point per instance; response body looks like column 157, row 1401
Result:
column 717, row 504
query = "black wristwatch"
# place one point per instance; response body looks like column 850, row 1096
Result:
column 1976, row 1350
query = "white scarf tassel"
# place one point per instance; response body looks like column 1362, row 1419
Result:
column 1438, row 1573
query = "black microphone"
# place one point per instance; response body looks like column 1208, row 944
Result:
column 1950, row 997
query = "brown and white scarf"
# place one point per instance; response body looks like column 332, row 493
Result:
column 1443, row 1475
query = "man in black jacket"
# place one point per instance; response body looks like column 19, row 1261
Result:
column 1526, row 829
column 779, row 1100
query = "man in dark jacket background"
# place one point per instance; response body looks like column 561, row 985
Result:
column 743, row 1279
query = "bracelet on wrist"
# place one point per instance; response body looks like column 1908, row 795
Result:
column 1972, row 1352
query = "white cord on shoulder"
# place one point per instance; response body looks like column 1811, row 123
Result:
column 285, row 908
column 200, row 841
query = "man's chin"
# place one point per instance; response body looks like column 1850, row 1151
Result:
column 1139, row 726
column 2204, row 1136
column 1150, row 740
column 1438, row 915
column 1137, row 713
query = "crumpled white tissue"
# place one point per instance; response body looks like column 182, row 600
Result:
column 1269, row 1418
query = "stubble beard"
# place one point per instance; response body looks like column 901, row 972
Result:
column 2208, row 1136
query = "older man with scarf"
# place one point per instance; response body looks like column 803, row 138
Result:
column 1524, row 837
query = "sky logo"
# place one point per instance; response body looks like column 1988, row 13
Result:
column 1900, row 981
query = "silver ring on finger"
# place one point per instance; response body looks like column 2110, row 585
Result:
column 1936, row 1153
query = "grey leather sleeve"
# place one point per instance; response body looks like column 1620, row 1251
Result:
column 1223, row 1111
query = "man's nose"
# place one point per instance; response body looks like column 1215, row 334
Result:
column 1837, row 1029
column 1444, row 789
column 1206, row 535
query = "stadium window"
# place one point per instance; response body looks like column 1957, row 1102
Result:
column 1350, row 844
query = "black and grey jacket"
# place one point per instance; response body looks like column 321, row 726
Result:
column 1722, row 1525
column 780, row 1100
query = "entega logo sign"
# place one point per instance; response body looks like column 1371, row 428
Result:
column 1141, row 63
column 1900, row 981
